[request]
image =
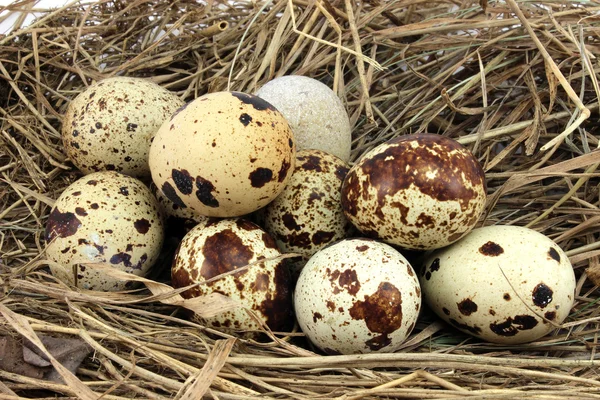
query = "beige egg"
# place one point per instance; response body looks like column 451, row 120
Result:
column 419, row 192
column 357, row 296
column 315, row 113
column 503, row 284
column 222, row 246
column 225, row 154
column 109, row 126
column 308, row 214
column 104, row 217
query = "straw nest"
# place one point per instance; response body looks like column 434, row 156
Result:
column 515, row 82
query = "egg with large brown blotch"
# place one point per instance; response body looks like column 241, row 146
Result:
column 307, row 215
column 224, row 154
column 105, row 217
column 420, row 192
column 256, row 275
column 357, row 296
column 109, row 126
column 503, row 284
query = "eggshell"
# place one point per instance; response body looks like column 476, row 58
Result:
column 104, row 217
column 220, row 247
column 224, row 154
column 308, row 214
column 503, row 284
column 316, row 114
column 357, row 296
column 419, row 192
column 109, row 126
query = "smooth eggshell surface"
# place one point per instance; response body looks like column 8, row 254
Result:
column 316, row 114
column 503, row 284
column 357, row 296
column 420, row 192
column 104, row 217
column 218, row 247
column 308, row 214
column 109, row 126
column 225, row 154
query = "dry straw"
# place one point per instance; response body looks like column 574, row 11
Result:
column 514, row 81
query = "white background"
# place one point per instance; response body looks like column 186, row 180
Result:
column 6, row 26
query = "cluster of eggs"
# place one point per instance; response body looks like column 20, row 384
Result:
column 266, row 177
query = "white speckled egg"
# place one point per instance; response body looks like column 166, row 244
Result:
column 503, row 284
column 357, row 296
column 420, row 192
column 225, row 154
column 315, row 113
column 109, row 126
column 222, row 246
column 308, row 214
column 104, row 217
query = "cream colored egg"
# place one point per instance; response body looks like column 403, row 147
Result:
column 419, row 192
column 104, row 217
column 308, row 214
column 316, row 114
column 223, row 246
column 225, row 154
column 357, row 296
column 109, row 126
column 503, row 284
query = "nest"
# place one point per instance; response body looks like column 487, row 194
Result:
column 515, row 83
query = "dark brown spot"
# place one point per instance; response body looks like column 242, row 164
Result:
column 204, row 192
column 314, row 195
column 255, row 101
column 550, row 315
column 492, row 312
column 341, row 172
column 382, row 313
column 310, row 163
column 424, row 220
column 169, row 191
column 246, row 225
column 123, row 190
column 121, row 258
column 77, row 193
column 317, row 316
column 347, row 280
column 428, row 275
column 261, row 283
column 435, row 265
column 553, row 254
column 277, row 307
column 290, row 222
column 94, row 206
column 81, row 211
column 183, row 180
column 542, row 295
column 491, row 249
column 409, row 270
column 290, row 143
column 245, row 119
column 75, row 133
column 223, row 252
column 269, row 241
column 362, row 248
column 75, row 144
column 110, row 167
column 142, row 225
column 475, row 330
column 321, row 237
column 506, row 297
column 446, row 311
column 98, row 125
column 467, row 307
column 285, row 166
column 512, row 326
column 260, row 177
column 301, row 240
column 331, row 305
column 92, row 182
column 131, row 127
column 61, row 224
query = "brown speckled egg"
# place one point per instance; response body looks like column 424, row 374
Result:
column 109, row 126
column 104, row 217
column 225, row 154
column 503, row 284
column 420, row 192
column 357, row 296
column 308, row 214
column 221, row 246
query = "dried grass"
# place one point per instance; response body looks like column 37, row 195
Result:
column 468, row 70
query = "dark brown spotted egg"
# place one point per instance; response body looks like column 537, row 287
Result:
column 236, row 258
column 308, row 214
column 503, row 284
column 357, row 296
column 419, row 192
column 104, row 217
column 225, row 154
column 109, row 126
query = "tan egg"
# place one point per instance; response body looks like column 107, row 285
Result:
column 315, row 113
column 104, row 217
column 222, row 246
column 308, row 214
column 357, row 296
column 503, row 284
column 109, row 126
column 225, row 154
column 419, row 192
